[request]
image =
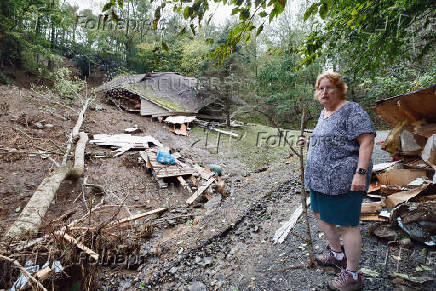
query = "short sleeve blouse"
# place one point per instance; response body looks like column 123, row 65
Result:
column 334, row 149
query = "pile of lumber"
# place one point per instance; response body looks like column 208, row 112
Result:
column 197, row 181
column 411, row 179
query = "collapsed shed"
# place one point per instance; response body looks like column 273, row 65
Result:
column 157, row 95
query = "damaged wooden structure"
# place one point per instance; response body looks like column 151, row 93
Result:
column 195, row 180
column 166, row 96
column 410, row 182
column 156, row 94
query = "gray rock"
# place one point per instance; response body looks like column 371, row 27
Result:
column 197, row 286
column 213, row 202
column 48, row 125
column 197, row 260
column 205, row 262
column 39, row 125
column 173, row 270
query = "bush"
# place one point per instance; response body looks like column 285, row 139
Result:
column 121, row 71
column 66, row 86
column 4, row 80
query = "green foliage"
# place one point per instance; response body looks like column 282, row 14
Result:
column 192, row 57
column 4, row 80
column 121, row 71
column 65, row 86
column 374, row 34
column 284, row 91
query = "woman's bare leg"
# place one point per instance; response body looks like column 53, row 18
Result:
column 330, row 232
column 353, row 245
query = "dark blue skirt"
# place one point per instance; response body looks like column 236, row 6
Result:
column 343, row 209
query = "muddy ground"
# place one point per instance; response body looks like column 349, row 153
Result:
column 215, row 246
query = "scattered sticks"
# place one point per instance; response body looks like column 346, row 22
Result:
column 24, row 271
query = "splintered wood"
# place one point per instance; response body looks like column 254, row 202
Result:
column 125, row 142
column 205, row 177
column 161, row 171
column 200, row 191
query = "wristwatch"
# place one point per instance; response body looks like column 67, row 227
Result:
column 361, row 171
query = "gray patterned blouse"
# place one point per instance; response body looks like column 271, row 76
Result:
column 334, row 150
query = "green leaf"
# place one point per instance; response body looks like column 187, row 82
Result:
column 157, row 13
column 271, row 15
column 400, row 275
column 235, row 11
column 247, row 37
column 263, row 14
column 107, row 6
column 244, row 14
column 155, row 24
column 311, row 10
column 259, row 30
column 187, row 12
column 121, row 3
column 323, row 9
column 165, row 47
column 282, row 3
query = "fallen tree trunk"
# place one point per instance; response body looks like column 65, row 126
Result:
column 75, row 132
column 79, row 157
column 31, row 217
column 76, row 128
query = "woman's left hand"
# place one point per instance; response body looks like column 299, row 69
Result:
column 359, row 183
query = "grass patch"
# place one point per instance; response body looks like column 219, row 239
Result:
column 257, row 147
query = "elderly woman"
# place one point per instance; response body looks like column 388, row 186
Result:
column 337, row 173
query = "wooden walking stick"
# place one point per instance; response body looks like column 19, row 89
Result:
column 303, row 192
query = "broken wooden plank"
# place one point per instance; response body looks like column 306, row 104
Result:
column 226, row 132
column 284, row 230
column 400, row 177
column 372, row 217
column 124, row 142
column 78, row 244
column 200, row 191
column 182, row 130
column 205, row 174
column 184, row 184
column 180, row 119
column 371, row 207
column 404, row 196
column 137, row 216
column 161, row 171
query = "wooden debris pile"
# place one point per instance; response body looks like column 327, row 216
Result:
column 195, row 180
column 103, row 236
column 124, row 142
column 410, row 181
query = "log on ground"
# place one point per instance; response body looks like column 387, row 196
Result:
column 31, row 217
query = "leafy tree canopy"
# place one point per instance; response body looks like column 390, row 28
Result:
column 380, row 31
